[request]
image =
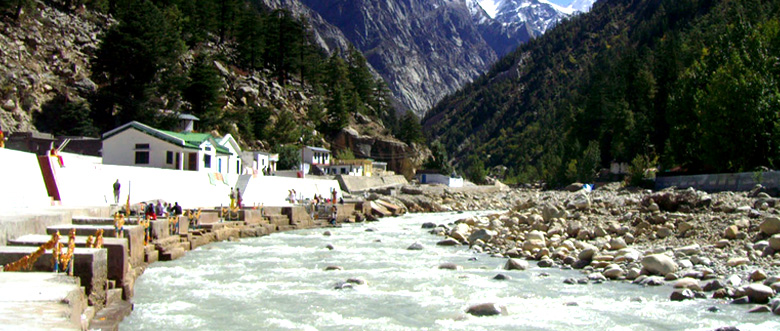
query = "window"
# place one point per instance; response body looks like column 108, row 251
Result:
column 207, row 161
column 207, row 148
column 238, row 167
column 219, row 165
column 142, row 157
column 141, row 146
column 169, row 157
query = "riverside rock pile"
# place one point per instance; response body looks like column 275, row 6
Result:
column 724, row 246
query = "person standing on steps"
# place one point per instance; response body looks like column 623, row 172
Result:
column 116, row 191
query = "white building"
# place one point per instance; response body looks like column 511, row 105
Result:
column 436, row 178
column 137, row 144
column 262, row 163
column 363, row 168
column 314, row 156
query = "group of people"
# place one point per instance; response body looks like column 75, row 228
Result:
column 152, row 211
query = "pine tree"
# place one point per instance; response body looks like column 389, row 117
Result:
column 204, row 90
column 127, row 64
column 411, row 130
column 250, row 39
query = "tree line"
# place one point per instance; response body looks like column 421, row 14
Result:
column 692, row 84
column 163, row 54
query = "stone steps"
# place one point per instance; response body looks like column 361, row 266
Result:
column 89, row 265
column 116, row 250
column 41, row 301
column 134, row 235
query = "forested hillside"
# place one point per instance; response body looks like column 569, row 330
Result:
column 237, row 65
column 693, row 83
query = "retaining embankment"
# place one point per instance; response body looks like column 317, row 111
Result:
column 743, row 181
column 354, row 184
column 273, row 190
column 85, row 181
column 23, row 186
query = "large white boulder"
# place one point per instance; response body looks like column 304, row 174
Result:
column 659, row 264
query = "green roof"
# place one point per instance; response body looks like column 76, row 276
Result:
column 194, row 140
column 190, row 139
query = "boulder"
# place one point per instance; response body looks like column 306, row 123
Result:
column 574, row 187
column 758, row 275
column 334, row 267
column 714, row 285
column 682, row 294
column 774, row 242
column 613, row 272
column 771, row 225
column 580, row 201
column 731, row 232
column 588, row 253
column 482, row 234
column 617, row 244
column 733, row 262
column 689, row 283
column 659, row 264
column 428, row 225
column 448, row 242
column 485, row 309
column 502, row 277
column 450, row 266
column 513, row 264
column 758, row 293
column 689, row 250
column 415, row 247
column 357, row 281
column 545, row 263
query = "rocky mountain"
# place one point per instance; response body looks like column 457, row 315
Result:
column 44, row 59
column 426, row 49
column 540, row 15
column 644, row 82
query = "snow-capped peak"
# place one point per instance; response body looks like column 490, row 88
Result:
column 581, row 5
column 490, row 6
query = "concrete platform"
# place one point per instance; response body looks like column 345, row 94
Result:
column 89, row 265
column 40, row 301
column 118, row 254
column 133, row 233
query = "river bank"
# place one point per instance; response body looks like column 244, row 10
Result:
column 719, row 245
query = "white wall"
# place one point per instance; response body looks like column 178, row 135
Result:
column 22, row 182
column 86, row 182
column 440, row 179
column 272, row 190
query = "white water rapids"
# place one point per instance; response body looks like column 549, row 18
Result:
column 279, row 282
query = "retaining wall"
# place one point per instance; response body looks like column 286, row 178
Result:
column 354, row 184
column 273, row 190
column 743, row 181
column 23, row 185
column 84, row 181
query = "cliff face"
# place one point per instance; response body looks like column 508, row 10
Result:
column 399, row 156
column 45, row 59
column 329, row 37
column 424, row 49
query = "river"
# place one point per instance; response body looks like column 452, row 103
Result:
column 279, row 282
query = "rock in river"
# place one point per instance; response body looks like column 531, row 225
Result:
column 513, row 264
column 485, row 309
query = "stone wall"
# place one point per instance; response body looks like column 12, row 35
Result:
column 354, row 184
column 743, row 181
